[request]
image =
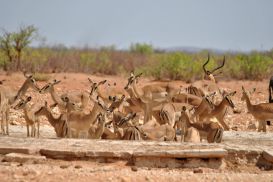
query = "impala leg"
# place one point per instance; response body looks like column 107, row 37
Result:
column 77, row 134
column 27, row 130
column 225, row 126
column 7, row 121
column 32, row 132
column 38, row 127
column 260, row 126
column 264, row 126
column 147, row 114
column 2, row 123
column 68, row 133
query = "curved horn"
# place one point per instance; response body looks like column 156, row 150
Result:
column 204, row 68
column 243, row 89
column 56, row 82
column 139, row 75
column 224, row 60
column 102, row 82
column 132, row 73
column 231, row 93
column 89, row 79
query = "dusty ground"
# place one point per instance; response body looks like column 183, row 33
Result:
column 56, row 170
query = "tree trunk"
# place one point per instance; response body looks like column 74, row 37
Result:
column 18, row 66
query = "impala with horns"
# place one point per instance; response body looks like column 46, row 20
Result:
column 208, row 84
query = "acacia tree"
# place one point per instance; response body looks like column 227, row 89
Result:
column 21, row 40
column 13, row 43
column 6, row 46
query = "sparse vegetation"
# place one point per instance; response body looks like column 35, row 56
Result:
column 141, row 48
column 41, row 77
column 13, row 44
column 109, row 60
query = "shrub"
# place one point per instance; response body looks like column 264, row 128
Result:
column 141, row 48
column 41, row 77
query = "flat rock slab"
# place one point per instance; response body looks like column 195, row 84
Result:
column 243, row 143
column 268, row 155
column 83, row 148
column 22, row 158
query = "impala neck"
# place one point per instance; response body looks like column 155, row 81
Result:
column 93, row 114
column 187, row 122
column 222, row 106
column 131, row 93
column 248, row 103
column 56, row 98
column 26, row 110
column 22, row 91
column 101, row 95
column 100, row 129
column 84, row 101
column 139, row 93
column 53, row 121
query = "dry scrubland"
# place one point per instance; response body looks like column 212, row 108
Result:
column 141, row 58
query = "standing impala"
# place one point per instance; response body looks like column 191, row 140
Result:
column 9, row 96
column 262, row 112
column 270, row 89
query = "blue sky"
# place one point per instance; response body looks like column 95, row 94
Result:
column 241, row 25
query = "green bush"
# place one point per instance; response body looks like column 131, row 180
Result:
column 41, row 77
column 141, row 48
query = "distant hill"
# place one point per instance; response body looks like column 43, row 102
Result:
column 189, row 49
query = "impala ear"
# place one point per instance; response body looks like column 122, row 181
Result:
column 27, row 76
column 65, row 99
column 139, row 75
column 89, row 79
column 102, row 82
column 252, row 91
column 243, row 89
column 29, row 98
column 132, row 74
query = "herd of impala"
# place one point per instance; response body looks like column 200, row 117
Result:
column 162, row 111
